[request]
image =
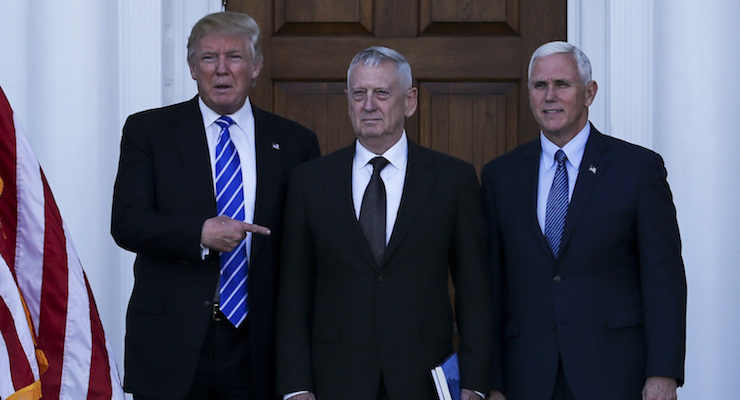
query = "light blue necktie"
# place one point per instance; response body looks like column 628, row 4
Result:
column 230, row 202
column 557, row 205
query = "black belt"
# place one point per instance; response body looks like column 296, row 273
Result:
column 217, row 314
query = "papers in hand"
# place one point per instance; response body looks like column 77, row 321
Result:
column 446, row 378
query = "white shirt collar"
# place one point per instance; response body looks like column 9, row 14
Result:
column 397, row 155
column 574, row 149
column 241, row 117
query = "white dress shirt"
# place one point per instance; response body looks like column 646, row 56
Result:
column 393, row 175
column 574, row 150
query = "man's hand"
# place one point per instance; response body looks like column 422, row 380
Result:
column 467, row 394
column 659, row 388
column 224, row 234
column 495, row 395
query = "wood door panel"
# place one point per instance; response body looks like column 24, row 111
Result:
column 469, row 17
column 475, row 121
column 430, row 57
column 469, row 59
column 466, row 11
column 321, row 10
column 319, row 105
column 328, row 17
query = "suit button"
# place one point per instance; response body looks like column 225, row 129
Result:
column 379, row 278
column 556, row 278
column 553, row 327
column 207, row 304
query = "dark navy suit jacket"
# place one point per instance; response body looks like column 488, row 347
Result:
column 613, row 306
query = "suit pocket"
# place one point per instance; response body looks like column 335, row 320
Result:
column 624, row 317
column 511, row 328
column 147, row 304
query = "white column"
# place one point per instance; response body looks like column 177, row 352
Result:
column 140, row 88
column 177, row 21
column 140, row 55
column 588, row 25
column 617, row 36
column 73, row 70
column 60, row 71
column 14, row 66
column 669, row 66
column 696, row 121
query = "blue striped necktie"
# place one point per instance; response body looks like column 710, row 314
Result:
column 557, row 205
column 230, row 202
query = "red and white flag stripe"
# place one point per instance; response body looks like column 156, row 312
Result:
column 19, row 368
column 40, row 255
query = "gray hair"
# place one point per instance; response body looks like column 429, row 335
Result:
column 376, row 55
column 229, row 23
column 550, row 48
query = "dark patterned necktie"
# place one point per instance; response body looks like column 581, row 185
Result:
column 372, row 210
column 557, row 205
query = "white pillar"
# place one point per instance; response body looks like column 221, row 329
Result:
column 73, row 70
column 696, row 122
column 667, row 68
column 617, row 37
column 60, row 72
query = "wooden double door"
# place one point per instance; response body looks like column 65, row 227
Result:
column 469, row 59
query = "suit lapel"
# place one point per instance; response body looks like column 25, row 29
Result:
column 529, row 177
column 337, row 185
column 190, row 141
column 417, row 186
column 592, row 168
column 269, row 161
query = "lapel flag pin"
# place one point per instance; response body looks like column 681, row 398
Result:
column 592, row 169
column 276, row 146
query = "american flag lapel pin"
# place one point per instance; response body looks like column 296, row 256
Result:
column 276, row 146
column 592, row 169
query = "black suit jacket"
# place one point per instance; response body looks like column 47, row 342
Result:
column 613, row 306
column 163, row 194
column 343, row 320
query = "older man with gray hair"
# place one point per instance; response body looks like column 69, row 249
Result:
column 372, row 233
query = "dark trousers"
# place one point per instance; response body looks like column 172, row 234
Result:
column 562, row 390
column 223, row 371
column 382, row 392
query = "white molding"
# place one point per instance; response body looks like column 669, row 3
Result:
column 588, row 25
column 140, row 55
column 631, row 71
column 152, row 41
column 618, row 39
column 574, row 22
column 178, row 18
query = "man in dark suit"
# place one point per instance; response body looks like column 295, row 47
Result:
column 585, row 251
column 194, row 332
column 364, row 310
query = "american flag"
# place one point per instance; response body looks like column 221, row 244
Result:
column 40, row 267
